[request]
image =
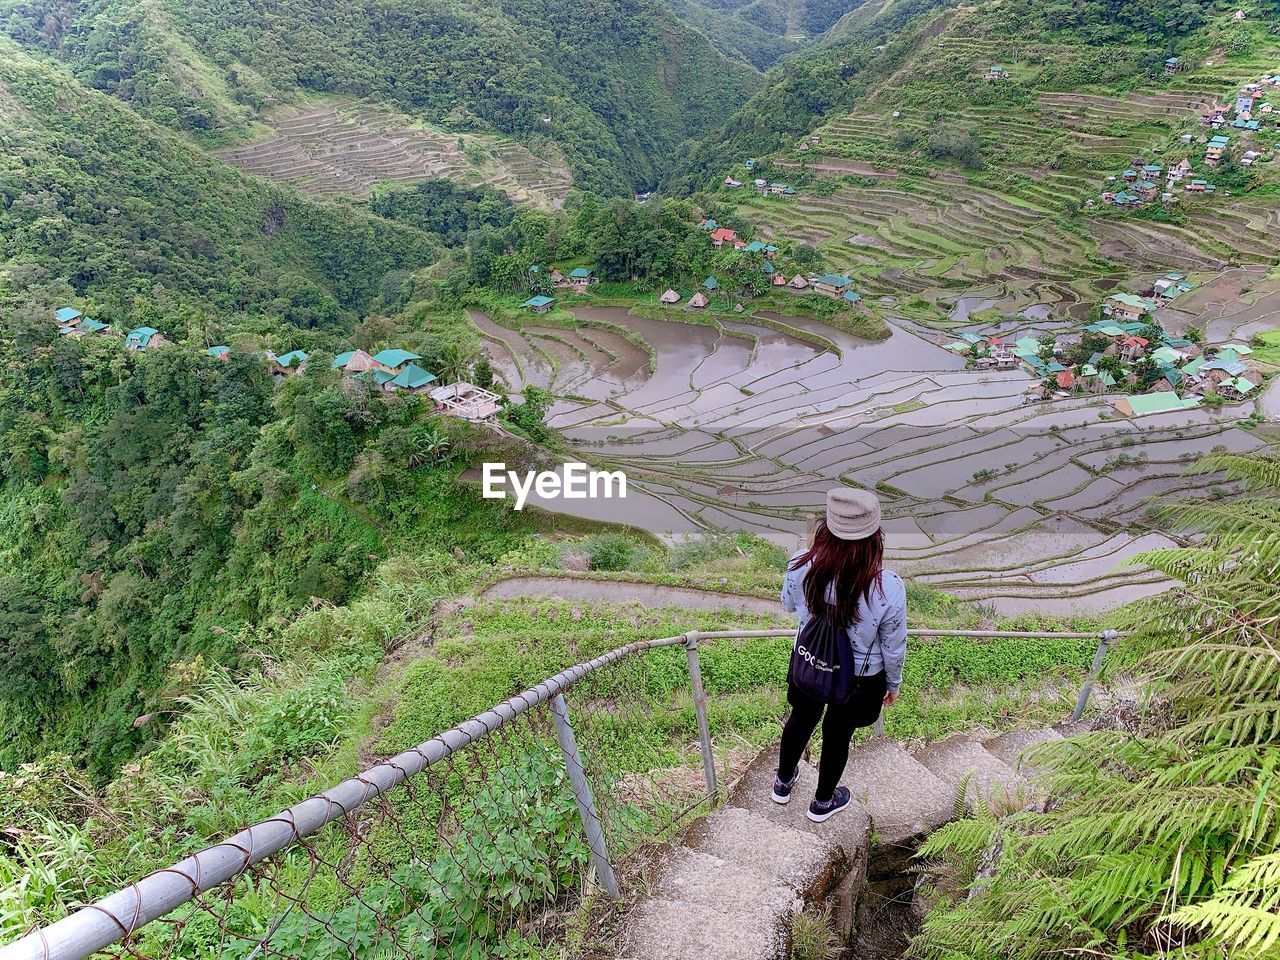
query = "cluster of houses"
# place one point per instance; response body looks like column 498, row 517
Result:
column 397, row 371
column 1180, row 373
column 390, row 371
column 827, row 285
column 72, row 323
column 1150, row 182
column 1250, row 109
column 764, row 187
column 995, row 72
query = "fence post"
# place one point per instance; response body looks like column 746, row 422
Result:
column 1104, row 640
column 582, row 794
column 700, row 708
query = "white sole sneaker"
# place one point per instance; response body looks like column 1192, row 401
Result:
column 822, row 817
column 778, row 799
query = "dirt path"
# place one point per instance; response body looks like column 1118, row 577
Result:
column 618, row 591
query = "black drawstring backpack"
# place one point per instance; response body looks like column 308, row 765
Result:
column 822, row 660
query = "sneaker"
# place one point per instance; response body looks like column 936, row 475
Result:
column 819, row 811
column 782, row 791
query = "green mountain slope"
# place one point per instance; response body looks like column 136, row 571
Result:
column 619, row 87
column 127, row 214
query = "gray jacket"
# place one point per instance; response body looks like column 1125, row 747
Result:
column 879, row 638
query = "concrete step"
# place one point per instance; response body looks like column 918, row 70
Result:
column 729, row 893
column 1011, row 746
column 850, row 830
column 681, row 930
column 960, row 761
column 778, row 851
column 906, row 801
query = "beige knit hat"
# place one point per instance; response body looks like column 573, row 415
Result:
column 852, row 514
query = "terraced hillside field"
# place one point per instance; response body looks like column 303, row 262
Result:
column 744, row 424
column 937, row 233
column 344, row 149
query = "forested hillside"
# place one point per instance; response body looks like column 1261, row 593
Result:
column 619, row 87
column 97, row 202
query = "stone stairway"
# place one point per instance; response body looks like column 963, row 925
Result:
column 729, row 891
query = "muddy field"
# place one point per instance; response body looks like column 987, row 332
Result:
column 734, row 424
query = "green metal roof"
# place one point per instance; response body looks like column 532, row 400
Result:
column 342, row 359
column 292, row 358
column 91, row 324
column 394, row 358
column 141, row 336
column 413, row 376
column 66, row 314
column 831, row 280
column 711, row 283
column 218, row 351
column 1163, row 401
column 539, row 301
column 581, row 273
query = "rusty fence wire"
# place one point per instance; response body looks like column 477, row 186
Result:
column 484, row 841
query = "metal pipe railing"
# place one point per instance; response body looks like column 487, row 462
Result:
column 115, row 917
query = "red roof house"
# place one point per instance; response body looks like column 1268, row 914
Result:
column 1065, row 380
column 722, row 235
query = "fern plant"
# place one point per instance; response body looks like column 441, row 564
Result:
column 1163, row 838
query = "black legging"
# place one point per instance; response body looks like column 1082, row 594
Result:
column 860, row 710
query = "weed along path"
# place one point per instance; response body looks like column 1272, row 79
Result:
column 741, row 422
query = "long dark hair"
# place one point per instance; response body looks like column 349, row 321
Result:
column 852, row 565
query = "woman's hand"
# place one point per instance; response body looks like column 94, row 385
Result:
column 891, row 698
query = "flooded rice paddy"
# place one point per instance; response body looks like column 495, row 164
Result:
column 743, row 424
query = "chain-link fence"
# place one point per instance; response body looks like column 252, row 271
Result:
column 500, row 837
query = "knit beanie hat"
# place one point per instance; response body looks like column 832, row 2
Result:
column 852, row 514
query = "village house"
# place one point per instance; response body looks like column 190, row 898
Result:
column 708, row 224
column 1249, row 158
column 65, row 316
column 798, row 282
column 1178, row 171
column 557, row 278
column 1133, row 349
column 1174, row 65
column 830, row 285
column 756, row 246
column 466, row 400
column 392, row 362
column 722, row 235
column 1127, row 307
column 411, row 379
column 142, row 339
column 539, row 304
column 778, row 280
column 1145, row 404
column 671, row 296
column 583, row 276
column 732, row 184
column 1236, row 389
column 1199, row 186
column 353, row 361
column 287, row 364
column 851, row 296
column 698, row 300
column 1147, row 191
column 1216, row 150
column 711, row 284
column 1152, row 171
column 775, row 189
column 220, row 352
column 995, row 72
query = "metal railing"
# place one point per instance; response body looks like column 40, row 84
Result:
column 207, row 879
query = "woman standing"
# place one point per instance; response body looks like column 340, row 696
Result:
column 841, row 576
